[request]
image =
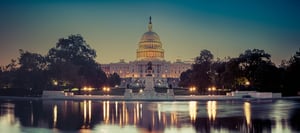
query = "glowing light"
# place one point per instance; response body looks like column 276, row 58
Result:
column 212, row 110
column 87, row 88
column 138, row 111
column 106, row 111
column 193, row 89
column 213, row 88
column 90, row 110
column 173, row 118
column 193, row 110
column 159, row 112
column 247, row 83
column 209, row 89
column 106, row 89
column 84, row 111
column 54, row 115
column 247, row 112
column 87, row 114
column 55, row 82
column 116, row 106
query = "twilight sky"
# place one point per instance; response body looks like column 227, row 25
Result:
column 114, row 27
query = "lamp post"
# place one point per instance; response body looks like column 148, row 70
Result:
column 106, row 90
column 212, row 74
column 192, row 89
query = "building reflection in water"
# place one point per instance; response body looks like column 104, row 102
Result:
column 112, row 116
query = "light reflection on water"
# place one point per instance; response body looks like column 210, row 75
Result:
column 145, row 117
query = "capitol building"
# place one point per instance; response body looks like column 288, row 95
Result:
column 149, row 50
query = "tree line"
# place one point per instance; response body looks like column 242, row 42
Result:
column 70, row 64
column 252, row 70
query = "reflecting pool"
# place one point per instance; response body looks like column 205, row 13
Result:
column 92, row 116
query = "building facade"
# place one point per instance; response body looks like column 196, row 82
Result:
column 149, row 49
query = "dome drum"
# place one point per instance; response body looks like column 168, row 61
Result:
column 150, row 46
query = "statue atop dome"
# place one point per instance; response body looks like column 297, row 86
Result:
column 150, row 24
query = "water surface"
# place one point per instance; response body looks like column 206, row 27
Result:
column 92, row 116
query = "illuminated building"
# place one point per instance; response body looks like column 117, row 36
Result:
column 149, row 49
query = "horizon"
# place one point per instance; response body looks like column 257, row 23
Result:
column 185, row 28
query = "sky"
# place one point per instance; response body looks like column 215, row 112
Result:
column 114, row 27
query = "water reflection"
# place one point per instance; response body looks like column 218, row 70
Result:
column 193, row 110
column 8, row 119
column 112, row 116
column 247, row 112
column 212, row 110
column 54, row 115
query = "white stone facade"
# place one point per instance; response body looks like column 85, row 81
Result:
column 137, row 69
column 149, row 49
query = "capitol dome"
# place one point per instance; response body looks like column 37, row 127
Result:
column 150, row 36
column 150, row 46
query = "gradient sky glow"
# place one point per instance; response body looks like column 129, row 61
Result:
column 114, row 27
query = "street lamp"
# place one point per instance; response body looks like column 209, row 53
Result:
column 192, row 89
column 247, row 83
column 212, row 89
column 106, row 89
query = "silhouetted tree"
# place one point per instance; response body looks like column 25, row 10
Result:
column 217, row 68
column 72, row 62
column 8, row 74
column 72, row 49
column 201, row 68
column 250, row 61
column 205, row 57
column 12, row 66
column 267, row 78
column 185, row 78
column 114, row 79
column 231, row 74
column 31, row 75
column 292, row 84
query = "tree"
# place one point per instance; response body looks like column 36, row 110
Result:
column 12, row 66
column 72, row 62
column 31, row 61
column 8, row 74
column 217, row 68
column 254, row 57
column 267, row 78
column 250, row 60
column 292, row 83
column 185, row 78
column 31, row 75
column 72, row 49
column 114, row 79
column 205, row 57
column 296, row 58
column 200, row 70
column 229, row 78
